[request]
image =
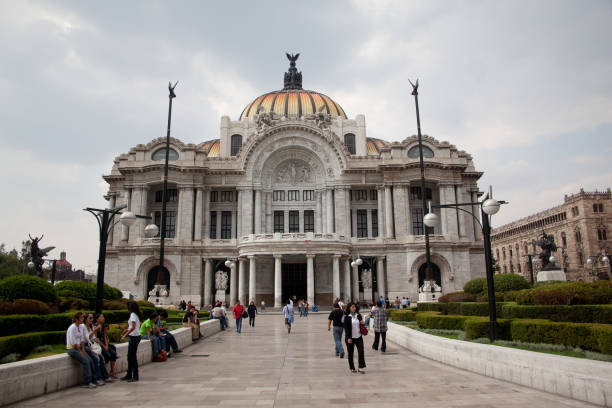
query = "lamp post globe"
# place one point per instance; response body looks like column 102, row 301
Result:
column 589, row 261
column 552, row 259
column 359, row 261
column 31, row 265
column 228, row 263
column 353, row 264
column 128, row 218
column 605, row 258
column 490, row 206
column 431, row 220
column 151, row 230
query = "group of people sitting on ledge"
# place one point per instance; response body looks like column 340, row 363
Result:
column 87, row 342
column 191, row 320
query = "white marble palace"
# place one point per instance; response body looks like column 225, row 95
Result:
column 292, row 192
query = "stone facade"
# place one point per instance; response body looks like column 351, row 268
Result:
column 580, row 227
column 292, row 198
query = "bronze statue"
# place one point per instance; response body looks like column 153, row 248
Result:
column 37, row 254
column 547, row 243
column 293, row 78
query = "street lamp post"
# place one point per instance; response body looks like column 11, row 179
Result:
column 51, row 269
column 488, row 207
column 105, row 223
column 530, row 261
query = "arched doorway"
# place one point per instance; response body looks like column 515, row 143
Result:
column 435, row 273
column 153, row 278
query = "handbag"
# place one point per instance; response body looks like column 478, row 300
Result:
column 363, row 330
column 245, row 314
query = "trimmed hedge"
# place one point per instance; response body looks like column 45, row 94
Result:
column 85, row 291
column 457, row 297
column 477, row 327
column 476, row 286
column 430, row 320
column 402, row 315
column 567, row 293
column 461, row 308
column 577, row 313
column 24, row 343
column 26, row 287
column 505, row 282
column 544, row 331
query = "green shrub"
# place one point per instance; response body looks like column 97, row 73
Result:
column 544, row 331
column 457, row 297
column 114, row 334
column 26, row 287
column 432, row 320
column 477, row 327
column 112, row 305
column 499, row 297
column 66, row 304
column 567, row 293
column 6, row 307
column 603, row 334
column 145, row 303
column 24, row 343
column 576, row 313
column 510, row 296
column 476, row 286
column 402, row 315
column 432, row 307
column 509, row 281
column 85, row 291
column 30, row 306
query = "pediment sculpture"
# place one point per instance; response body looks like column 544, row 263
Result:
column 293, row 173
column 221, row 280
column 366, row 278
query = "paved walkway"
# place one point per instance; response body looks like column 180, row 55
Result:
column 267, row 367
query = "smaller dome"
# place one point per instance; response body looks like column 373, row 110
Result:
column 212, row 148
column 374, row 145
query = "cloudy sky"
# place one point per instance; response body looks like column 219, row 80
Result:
column 524, row 86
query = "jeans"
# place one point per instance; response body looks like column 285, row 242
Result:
column 252, row 321
column 383, row 346
column 351, row 350
column 366, row 322
column 85, row 361
column 337, row 330
column 100, row 368
column 170, row 341
column 159, row 343
column 222, row 321
column 110, row 355
column 132, row 357
column 239, row 324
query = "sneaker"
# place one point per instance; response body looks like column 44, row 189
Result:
column 342, row 355
column 178, row 351
column 100, row 383
column 126, row 378
column 131, row 380
column 109, row 380
column 90, row 385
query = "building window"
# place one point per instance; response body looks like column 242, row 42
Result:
column 510, row 252
column 601, row 208
column 349, row 142
column 580, row 259
column 602, row 234
column 172, row 195
column 415, row 193
column 227, row 196
column 214, row 196
column 362, row 224
column 279, row 221
column 374, row 222
column 213, row 225
column 595, row 207
column 505, row 269
column 360, row 195
column 160, row 154
column 278, row 195
column 351, row 222
column 293, row 195
column 511, row 268
column 294, row 221
column 414, row 153
column 417, row 221
column 236, row 144
column 308, row 221
column 497, row 254
column 578, row 236
column 170, row 223
column 563, row 239
column 226, row 224
column 504, row 253
column 575, row 211
column 308, row 195
column 374, row 195
column 519, row 267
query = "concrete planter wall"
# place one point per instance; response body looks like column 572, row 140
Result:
column 31, row 378
column 580, row 379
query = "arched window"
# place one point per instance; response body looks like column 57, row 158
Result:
column 413, row 153
column 160, row 154
column 349, row 142
column 563, row 239
column 236, row 144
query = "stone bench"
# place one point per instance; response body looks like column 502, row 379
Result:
column 30, row 378
column 580, row 379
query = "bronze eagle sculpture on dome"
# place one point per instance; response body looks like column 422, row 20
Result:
column 292, row 57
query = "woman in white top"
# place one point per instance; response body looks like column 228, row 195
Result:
column 133, row 331
column 94, row 350
column 76, row 350
column 352, row 336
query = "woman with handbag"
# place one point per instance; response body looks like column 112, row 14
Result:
column 354, row 329
column 93, row 349
column 238, row 310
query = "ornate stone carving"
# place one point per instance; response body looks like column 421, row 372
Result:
column 366, row 278
column 221, row 280
column 293, row 172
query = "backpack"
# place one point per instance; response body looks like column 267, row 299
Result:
column 161, row 357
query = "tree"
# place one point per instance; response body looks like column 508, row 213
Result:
column 11, row 263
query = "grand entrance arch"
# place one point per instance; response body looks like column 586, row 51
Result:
column 435, row 273
column 157, row 275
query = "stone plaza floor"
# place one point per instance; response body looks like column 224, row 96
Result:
column 266, row 367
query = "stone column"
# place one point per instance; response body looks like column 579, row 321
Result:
column 239, row 213
column 381, row 212
column 380, row 276
column 400, row 215
column 335, row 277
column 329, row 212
column 310, row 289
column 269, row 218
column 198, row 215
column 318, row 214
column 207, row 280
column 125, row 230
column 247, row 212
column 233, row 283
column 252, row 279
column 342, row 223
column 258, row 211
column 389, row 233
column 347, row 280
column 355, row 284
column 278, row 280
column 205, row 212
column 242, row 295
column 184, row 217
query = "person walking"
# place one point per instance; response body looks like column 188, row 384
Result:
column 335, row 318
column 352, row 335
column 252, row 311
column 381, row 317
column 133, row 331
column 263, row 306
column 237, row 311
column 288, row 313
